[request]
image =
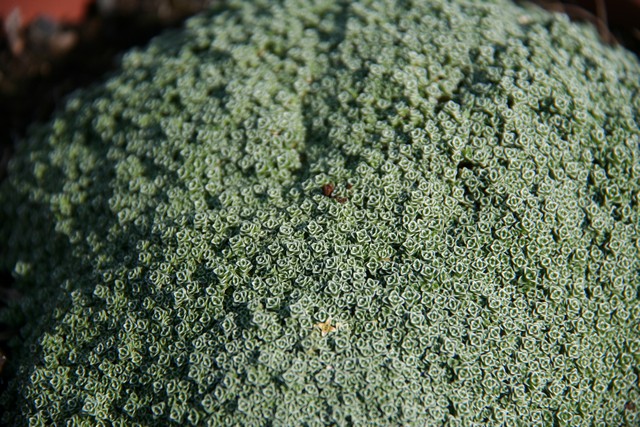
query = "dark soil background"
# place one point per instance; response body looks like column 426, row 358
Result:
column 42, row 59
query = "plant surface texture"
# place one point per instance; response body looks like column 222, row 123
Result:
column 335, row 213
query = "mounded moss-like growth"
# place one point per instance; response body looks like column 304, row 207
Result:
column 314, row 213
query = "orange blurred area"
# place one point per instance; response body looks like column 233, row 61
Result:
column 59, row 10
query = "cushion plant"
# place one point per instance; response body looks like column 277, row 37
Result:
column 311, row 212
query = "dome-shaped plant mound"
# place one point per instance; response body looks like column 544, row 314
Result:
column 335, row 213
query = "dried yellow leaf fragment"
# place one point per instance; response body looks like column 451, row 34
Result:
column 326, row 327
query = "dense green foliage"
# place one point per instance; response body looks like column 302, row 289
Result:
column 327, row 212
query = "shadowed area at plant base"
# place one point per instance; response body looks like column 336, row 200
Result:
column 7, row 295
